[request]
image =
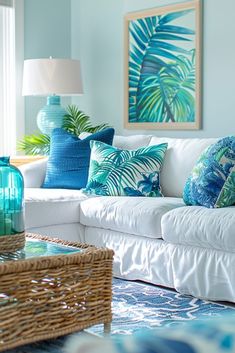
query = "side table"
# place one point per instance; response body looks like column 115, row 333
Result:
column 21, row 160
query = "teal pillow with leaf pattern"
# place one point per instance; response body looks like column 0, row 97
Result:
column 116, row 172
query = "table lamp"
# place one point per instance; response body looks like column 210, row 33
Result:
column 52, row 78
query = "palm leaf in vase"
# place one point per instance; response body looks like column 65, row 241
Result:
column 75, row 122
column 156, row 62
column 35, row 144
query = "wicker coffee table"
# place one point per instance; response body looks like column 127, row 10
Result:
column 52, row 288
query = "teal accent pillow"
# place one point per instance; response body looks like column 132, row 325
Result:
column 212, row 180
column 115, row 172
column 69, row 159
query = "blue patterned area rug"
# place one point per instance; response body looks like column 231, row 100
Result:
column 138, row 305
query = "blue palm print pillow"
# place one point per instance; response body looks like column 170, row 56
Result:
column 212, row 180
column 116, row 172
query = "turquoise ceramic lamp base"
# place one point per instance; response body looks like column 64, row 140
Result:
column 51, row 115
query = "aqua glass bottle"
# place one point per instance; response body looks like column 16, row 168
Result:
column 11, row 198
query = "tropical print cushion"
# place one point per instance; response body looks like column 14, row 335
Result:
column 116, row 172
column 212, row 181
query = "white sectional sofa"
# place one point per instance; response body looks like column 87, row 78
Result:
column 158, row 240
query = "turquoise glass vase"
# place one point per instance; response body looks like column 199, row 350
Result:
column 11, row 198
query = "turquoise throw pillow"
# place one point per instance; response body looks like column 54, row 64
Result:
column 115, row 172
column 212, row 181
column 69, row 159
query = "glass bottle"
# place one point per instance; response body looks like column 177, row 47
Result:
column 11, row 198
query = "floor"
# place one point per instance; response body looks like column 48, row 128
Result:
column 137, row 306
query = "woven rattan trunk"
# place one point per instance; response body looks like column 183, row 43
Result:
column 46, row 297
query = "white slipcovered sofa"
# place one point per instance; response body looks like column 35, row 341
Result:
column 157, row 240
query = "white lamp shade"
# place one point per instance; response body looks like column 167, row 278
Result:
column 44, row 77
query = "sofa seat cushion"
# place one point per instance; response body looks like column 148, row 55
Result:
column 44, row 207
column 200, row 226
column 133, row 215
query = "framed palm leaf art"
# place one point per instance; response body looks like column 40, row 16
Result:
column 162, row 67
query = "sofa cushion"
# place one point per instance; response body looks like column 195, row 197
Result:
column 133, row 215
column 69, row 159
column 45, row 207
column 179, row 161
column 131, row 142
column 200, row 226
column 117, row 172
column 212, row 180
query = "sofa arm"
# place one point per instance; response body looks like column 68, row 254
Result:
column 34, row 173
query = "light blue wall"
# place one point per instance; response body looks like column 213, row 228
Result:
column 97, row 38
column 47, row 32
column 97, row 41
column 92, row 30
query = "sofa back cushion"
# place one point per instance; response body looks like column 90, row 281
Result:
column 179, row 161
column 131, row 142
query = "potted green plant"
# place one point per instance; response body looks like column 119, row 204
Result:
column 75, row 122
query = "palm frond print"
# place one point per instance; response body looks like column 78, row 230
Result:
column 161, row 70
column 123, row 172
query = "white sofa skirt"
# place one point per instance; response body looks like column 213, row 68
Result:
column 200, row 272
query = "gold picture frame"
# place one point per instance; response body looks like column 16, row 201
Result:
column 163, row 68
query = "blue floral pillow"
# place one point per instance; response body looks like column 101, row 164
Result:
column 212, row 181
column 115, row 172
